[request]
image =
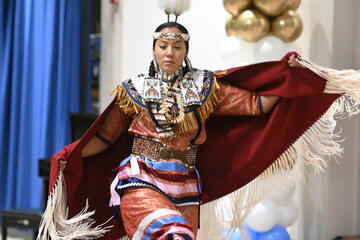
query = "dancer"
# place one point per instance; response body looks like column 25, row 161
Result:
column 151, row 132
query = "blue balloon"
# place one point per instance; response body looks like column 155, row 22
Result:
column 276, row 233
column 236, row 235
column 253, row 235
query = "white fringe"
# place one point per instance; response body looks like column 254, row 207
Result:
column 176, row 7
column 318, row 144
column 345, row 82
column 55, row 225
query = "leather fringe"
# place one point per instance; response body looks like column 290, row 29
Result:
column 131, row 108
column 125, row 102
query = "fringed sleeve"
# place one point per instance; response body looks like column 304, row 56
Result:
column 128, row 106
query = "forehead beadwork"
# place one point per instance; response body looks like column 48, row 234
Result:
column 172, row 36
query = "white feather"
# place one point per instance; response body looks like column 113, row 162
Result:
column 176, row 7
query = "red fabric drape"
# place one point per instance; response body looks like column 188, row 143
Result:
column 237, row 149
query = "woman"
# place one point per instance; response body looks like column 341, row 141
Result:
column 157, row 186
column 169, row 54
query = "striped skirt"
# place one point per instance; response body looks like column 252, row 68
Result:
column 157, row 199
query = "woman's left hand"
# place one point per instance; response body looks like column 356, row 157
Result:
column 293, row 63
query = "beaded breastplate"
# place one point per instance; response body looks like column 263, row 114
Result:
column 171, row 101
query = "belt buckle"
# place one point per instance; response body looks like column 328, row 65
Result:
column 166, row 153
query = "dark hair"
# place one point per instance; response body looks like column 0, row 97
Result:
column 182, row 30
column 171, row 25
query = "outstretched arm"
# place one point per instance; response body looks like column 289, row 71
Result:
column 264, row 103
column 109, row 131
column 94, row 146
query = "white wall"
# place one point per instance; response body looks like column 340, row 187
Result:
column 329, row 201
column 312, row 196
column 344, row 183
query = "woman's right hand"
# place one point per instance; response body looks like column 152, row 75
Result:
column 62, row 164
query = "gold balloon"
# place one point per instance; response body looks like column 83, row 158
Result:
column 287, row 26
column 235, row 7
column 252, row 25
column 271, row 7
column 293, row 4
column 231, row 26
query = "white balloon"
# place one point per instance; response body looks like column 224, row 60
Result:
column 269, row 48
column 284, row 189
column 288, row 213
column 231, row 50
column 235, row 51
column 247, row 50
column 263, row 217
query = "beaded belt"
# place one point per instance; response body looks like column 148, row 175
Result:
column 154, row 150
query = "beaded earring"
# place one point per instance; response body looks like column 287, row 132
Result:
column 156, row 67
column 188, row 63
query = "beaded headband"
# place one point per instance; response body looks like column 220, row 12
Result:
column 173, row 36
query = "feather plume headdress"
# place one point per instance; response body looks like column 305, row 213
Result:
column 176, row 7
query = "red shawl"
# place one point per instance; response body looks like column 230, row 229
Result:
column 237, row 149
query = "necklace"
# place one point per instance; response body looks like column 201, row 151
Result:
column 171, row 114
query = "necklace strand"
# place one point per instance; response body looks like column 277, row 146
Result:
column 164, row 107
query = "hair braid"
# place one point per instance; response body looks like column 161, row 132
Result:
column 152, row 69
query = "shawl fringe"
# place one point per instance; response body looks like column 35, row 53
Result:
column 55, row 225
column 315, row 147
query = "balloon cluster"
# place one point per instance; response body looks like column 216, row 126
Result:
column 255, row 19
column 278, row 209
column 270, row 217
column 237, row 52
